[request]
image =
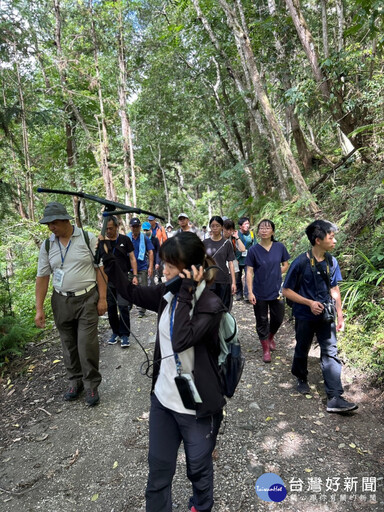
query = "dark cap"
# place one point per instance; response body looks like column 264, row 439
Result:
column 55, row 211
column 135, row 221
column 151, row 217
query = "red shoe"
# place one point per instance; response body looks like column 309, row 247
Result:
column 193, row 509
column 272, row 344
column 266, row 352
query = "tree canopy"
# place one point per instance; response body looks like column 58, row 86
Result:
column 227, row 107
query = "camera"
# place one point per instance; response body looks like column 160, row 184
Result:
column 329, row 312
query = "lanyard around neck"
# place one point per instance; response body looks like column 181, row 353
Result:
column 179, row 368
column 67, row 248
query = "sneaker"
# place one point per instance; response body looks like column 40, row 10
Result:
column 92, row 397
column 74, row 392
column 125, row 342
column 339, row 404
column 302, row 387
column 113, row 339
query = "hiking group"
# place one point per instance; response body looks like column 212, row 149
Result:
column 196, row 279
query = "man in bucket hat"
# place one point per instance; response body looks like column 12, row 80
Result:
column 78, row 298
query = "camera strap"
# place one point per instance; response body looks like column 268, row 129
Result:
column 325, row 275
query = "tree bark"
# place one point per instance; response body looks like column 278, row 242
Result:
column 248, row 62
column 344, row 120
column 340, row 25
column 128, row 154
column 104, row 143
column 304, row 152
column 25, row 136
column 324, row 24
column 243, row 86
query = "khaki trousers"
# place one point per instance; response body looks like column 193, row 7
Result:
column 76, row 319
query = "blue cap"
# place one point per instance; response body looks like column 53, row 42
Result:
column 146, row 226
column 151, row 217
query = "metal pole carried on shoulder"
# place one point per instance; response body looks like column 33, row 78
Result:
column 110, row 208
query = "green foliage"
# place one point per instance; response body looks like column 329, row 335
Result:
column 14, row 334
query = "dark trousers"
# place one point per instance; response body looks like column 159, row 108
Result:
column 142, row 277
column 223, row 291
column 166, row 431
column 76, row 319
column 240, row 289
column 330, row 364
column 120, row 324
column 265, row 326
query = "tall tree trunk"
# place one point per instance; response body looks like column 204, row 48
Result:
column 71, row 161
column 235, row 144
column 61, row 64
column 304, row 152
column 340, row 25
column 243, row 88
column 128, row 155
column 157, row 157
column 344, row 120
column 27, row 158
column 104, row 143
column 249, row 62
column 324, row 24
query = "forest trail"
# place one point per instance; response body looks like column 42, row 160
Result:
column 58, row 456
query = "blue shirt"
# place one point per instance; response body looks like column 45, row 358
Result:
column 308, row 287
column 142, row 264
column 267, row 269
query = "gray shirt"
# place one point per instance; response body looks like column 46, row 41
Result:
column 78, row 266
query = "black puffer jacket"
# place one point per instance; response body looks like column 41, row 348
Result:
column 200, row 331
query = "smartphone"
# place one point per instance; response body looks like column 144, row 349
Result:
column 173, row 285
column 185, row 392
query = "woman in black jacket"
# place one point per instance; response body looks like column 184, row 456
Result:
column 187, row 397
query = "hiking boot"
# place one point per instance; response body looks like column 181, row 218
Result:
column 92, row 397
column 74, row 392
column 339, row 404
column 125, row 342
column 266, row 352
column 303, row 387
column 272, row 343
column 113, row 339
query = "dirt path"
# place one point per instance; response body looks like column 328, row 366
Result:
column 58, row 456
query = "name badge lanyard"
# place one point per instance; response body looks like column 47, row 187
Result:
column 66, row 250
column 61, row 253
column 179, row 368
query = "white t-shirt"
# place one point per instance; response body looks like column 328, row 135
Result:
column 165, row 388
